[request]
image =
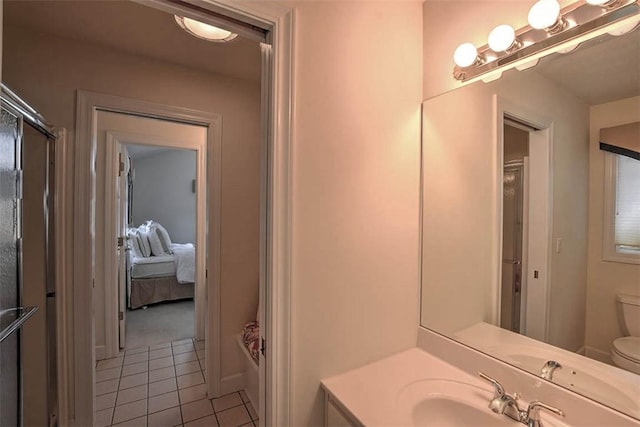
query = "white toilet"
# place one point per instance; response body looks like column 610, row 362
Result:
column 625, row 352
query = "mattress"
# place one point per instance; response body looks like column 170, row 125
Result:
column 154, row 266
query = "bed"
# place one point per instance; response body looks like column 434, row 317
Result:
column 167, row 275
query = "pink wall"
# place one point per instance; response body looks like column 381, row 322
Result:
column 356, row 190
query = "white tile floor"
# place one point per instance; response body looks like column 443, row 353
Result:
column 164, row 385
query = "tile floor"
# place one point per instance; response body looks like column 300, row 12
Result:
column 164, row 385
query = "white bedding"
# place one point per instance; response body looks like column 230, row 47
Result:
column 152, row 267
column 185, row 262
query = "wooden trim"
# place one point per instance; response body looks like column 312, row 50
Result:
column 110, row 265
column 62, row 214
column 83, row 336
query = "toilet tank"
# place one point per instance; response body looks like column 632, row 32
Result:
column 629, row 312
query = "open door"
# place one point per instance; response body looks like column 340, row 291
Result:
column 263, row 308
column 122, row 221
column 538, row 235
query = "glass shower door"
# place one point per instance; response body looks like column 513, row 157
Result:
column 10, row 412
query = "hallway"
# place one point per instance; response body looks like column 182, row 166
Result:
column 164, row 385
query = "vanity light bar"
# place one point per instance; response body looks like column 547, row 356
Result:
column 571, row 23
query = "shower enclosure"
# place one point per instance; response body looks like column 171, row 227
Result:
column 27, row 287
column 512, row 235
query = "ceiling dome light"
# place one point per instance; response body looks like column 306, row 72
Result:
column 204, row 31
column 465, row 55
column 503, row 38
column 545, row 15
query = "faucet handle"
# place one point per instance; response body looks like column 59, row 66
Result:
column 533, row 412
column 499, row 389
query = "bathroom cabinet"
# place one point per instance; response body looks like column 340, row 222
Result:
column 335, row 416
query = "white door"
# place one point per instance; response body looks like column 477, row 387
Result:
column 122, row 247
column 539, row 227
column 263, row 315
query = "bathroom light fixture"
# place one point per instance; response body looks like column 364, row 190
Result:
column 204, row 31
column 503, row 39
column 545, row 15
column 564, row 29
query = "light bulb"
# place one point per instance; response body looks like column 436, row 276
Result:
column 544, row 14
column 465, row 55
column 501, row 38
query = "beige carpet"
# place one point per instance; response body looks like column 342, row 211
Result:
column 159, row 323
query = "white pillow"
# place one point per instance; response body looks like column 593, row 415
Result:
column 134, row 243
column 145, row 247
column 155, row 241
column 165, row 240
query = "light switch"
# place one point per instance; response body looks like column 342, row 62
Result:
column 558, row 244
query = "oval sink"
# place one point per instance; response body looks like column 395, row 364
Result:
column 444, row 411
column 450, row 403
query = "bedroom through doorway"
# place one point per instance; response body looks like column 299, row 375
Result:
column 153, row 198
column 158, row 193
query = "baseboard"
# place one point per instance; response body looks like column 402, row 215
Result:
column 581, row 351
column 232, row 383
column 101, row 352
column 599, row 355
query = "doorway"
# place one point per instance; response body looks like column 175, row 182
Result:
column 154, row 221
column 514, row 226
column 525, row 148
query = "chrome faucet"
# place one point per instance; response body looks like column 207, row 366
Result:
column 505, row 404
column 547, row 370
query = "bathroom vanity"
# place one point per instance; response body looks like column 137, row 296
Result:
column 440, row 387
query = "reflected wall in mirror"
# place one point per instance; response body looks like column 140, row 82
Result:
column 514, row 228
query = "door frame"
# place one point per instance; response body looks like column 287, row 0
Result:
column 505, row 107
column 276, row 213
column 115, row 139
column 88, row 105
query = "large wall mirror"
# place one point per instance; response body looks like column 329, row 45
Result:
column 517, row 255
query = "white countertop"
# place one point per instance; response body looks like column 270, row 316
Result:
column 370, row 392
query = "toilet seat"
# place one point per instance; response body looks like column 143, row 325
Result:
column 629, row 347
column 626, row 353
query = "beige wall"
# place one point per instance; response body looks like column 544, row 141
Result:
column 605, row 279
column 356, row 159
column 459, row 227
column 31, row 60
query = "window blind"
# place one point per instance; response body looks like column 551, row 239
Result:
column 627, row 220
